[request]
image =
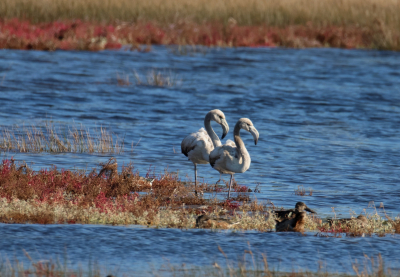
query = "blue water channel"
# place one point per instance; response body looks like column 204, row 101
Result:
column 329, row 120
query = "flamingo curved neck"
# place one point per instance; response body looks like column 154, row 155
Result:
column 241, row 150
column 207, row 124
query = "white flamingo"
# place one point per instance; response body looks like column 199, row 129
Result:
column 231, row 159
column 198, row 146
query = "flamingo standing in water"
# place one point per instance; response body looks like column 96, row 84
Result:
column 198, row 146
column 234, row 158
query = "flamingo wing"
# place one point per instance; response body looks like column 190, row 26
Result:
column 197, row 139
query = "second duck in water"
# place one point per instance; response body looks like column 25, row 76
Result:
column 207, row 222
column 359, row 220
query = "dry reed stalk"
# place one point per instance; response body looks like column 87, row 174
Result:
column 123, row 80
column 152, row 78
column 252, row 12
column 301, row 191
column 56, row 140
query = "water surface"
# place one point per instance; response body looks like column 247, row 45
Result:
column 328, row 120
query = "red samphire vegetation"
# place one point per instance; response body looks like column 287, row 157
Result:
column 105, row 192
column 79, row 35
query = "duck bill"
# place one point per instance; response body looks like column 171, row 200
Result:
column 309, row 210
column 225, row 128
column 254, row 133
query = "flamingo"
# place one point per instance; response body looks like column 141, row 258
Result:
column 232, row 158
column 198, row 146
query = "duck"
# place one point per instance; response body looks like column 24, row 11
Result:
column 360, row 220
column 291, row 213
column 208, row 222
column 295, row 224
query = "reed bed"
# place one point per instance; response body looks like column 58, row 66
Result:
column 96, row 25
column 59, row 139
column 107, row 196
column 281, row 13
column 301, row 191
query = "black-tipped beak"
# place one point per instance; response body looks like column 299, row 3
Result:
column 309, row 210
column 225, row 128
column 254, row 133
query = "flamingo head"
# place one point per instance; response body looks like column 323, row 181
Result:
column 219, row 117
column 248, row 126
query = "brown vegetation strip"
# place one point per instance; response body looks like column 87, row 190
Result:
column 108, row 196
column 79, row 35
column 280, row 13
column 106, row 24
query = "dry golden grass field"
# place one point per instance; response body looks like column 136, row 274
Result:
column 101, row 24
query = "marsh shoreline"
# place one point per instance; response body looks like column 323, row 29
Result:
column 81, row 35
column 107, row 196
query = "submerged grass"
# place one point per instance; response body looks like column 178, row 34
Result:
column 121, row 198
column 53, row 139
column 152, row 78
column 301, row 191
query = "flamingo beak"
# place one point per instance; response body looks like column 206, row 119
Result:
column 254, row 133
column 225, row 128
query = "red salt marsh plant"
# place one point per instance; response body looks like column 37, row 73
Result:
column 106, row 196
column 109, row 196
column 369, row 225
column 82, row 35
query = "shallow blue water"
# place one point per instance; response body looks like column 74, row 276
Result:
column 138, row 250
column 328, row 119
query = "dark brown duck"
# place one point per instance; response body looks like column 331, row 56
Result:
column 291, row 213
column 295, row 224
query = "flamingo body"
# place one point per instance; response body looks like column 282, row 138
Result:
column 198, row 146
column 233, row 157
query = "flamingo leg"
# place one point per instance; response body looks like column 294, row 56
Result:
column 220, row 179
column 230, row 184
column 195, row 179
